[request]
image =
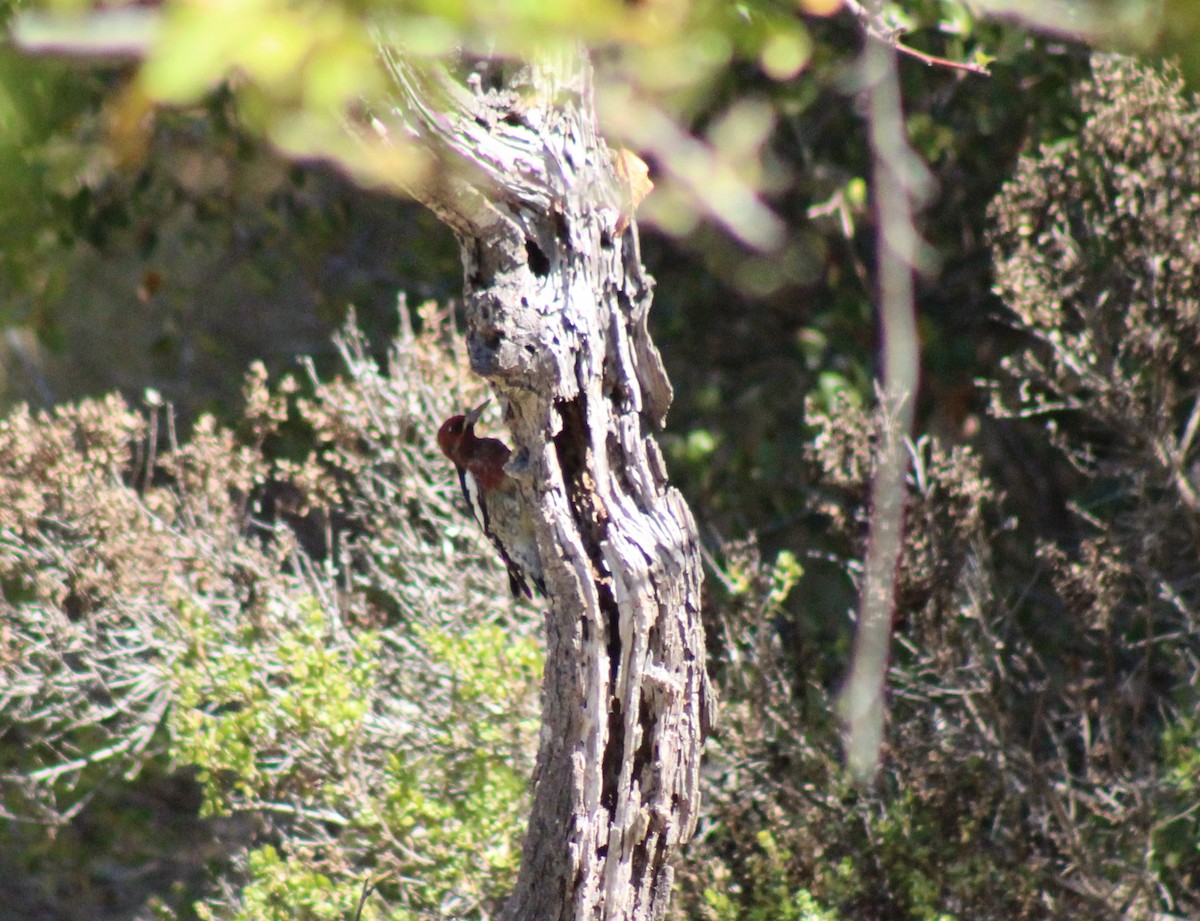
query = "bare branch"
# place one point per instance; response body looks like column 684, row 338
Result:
column 898, row 179
column 876, row 29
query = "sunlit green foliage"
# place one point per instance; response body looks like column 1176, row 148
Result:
column 285, row 889
column 282, row 721
column 458, row 796
column 768, row 885
column 256, row 709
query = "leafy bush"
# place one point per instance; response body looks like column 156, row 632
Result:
column 931, row 840
column 324, row 644
column 1041, row 758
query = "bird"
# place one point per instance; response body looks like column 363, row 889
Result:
column 495, row 499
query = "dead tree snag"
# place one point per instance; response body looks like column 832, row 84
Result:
column 556, row 300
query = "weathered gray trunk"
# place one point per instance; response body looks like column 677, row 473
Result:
column 556, row 300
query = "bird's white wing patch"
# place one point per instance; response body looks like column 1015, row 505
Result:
column 474, row 496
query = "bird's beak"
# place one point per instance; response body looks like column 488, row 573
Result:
column 473, row 415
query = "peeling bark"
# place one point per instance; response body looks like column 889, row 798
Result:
column 557, row 299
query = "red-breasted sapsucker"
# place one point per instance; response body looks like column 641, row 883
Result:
column 494, row 498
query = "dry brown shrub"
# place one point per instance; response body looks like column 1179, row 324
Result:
column 136, row 565
column 1097, row 246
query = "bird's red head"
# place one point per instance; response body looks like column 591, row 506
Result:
column 450, row 436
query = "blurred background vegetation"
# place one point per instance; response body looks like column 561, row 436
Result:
column 244, row 674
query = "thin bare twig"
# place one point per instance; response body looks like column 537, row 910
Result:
column 875, row 28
